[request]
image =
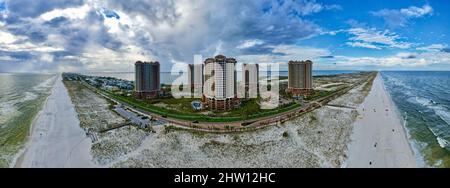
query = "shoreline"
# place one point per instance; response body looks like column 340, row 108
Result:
column 379, row 138
column 420, row 161
column 55, row 135
column 18, row 158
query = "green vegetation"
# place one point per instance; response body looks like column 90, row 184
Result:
column 319, row 94
column 248, row 110
column 369, row 83
column 283, row 78
column 181, row 109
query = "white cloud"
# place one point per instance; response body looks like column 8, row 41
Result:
column 250, row 43
column 28, row 47
column 12, row 43
column 417, row 11
column 46, row 57
column 399, row 60
column 374, row 39
column 300, row 52
column 107, row 59
column 7, row 58
column 432, row 47
column 305, row 7
column 363, row 45
column 6, row 38
column 164, row 30
column 401, row 17
column 285, row 53
column 71, row 13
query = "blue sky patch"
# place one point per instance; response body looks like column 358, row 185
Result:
column 2, row 5
column 111, row 14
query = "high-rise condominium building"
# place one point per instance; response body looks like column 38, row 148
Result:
column 147, row 82
column 219, row 93
column 250, row 78
column 195, row 79
column 300, row 77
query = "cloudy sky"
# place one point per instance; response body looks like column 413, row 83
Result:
column 109, row 35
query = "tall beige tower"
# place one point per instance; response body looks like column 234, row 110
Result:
column 220, row 83
column 300, row 77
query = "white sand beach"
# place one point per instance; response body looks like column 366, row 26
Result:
column 379, row 139
column 57, row 139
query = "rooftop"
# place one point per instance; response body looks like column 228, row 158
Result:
column 300, row 62
column 144, row 62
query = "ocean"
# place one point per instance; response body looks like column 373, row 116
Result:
column 168, row 78
column 21, row 98
column 423, row 99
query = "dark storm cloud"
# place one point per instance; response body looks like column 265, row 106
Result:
column 274, row 27
column 205, row 29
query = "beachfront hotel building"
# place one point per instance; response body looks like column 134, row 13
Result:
column 250, row 80
column 300, row 77
column 219, row 92
column 147, row 81
column 195, row 79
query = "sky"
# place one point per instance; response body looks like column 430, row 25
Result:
column 110, row 35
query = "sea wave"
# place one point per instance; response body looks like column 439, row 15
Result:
column 443, row 143
column 397, row 82
column 399, row 85
column 425, row 97
column 9, row 110
column 28, row 97
column 45, row 85
column 438, row 109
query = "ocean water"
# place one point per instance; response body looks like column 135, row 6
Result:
column 423, row 99
column 21, row 98
column 168, row 78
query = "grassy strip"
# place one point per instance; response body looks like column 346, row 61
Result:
column 319, row 94
column 197, row 117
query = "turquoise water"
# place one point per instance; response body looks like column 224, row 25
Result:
column 423, row 98
column 21, row 98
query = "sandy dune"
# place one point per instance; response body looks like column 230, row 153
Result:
column 379, row 139
column 57, row 139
